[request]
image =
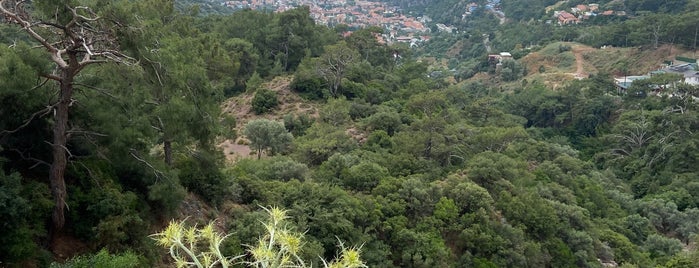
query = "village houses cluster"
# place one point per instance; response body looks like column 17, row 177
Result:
column 355, row 14
column 686, row 68
column 581, row 12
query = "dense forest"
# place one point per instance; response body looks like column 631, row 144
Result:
column 113, row 113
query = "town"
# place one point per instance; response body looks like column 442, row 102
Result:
column 358, row 14
column 355, row 14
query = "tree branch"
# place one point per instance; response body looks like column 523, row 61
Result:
column 70, row 155
column 38, row 161
column 50, row 76
column 158, row 174
column 99, row 90
column 40, row 113
column 27, row 26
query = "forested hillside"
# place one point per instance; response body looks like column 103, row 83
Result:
column 356, row 153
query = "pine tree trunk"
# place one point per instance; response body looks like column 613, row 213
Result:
column 59, row 147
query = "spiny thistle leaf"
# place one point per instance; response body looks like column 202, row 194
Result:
column 279, row 247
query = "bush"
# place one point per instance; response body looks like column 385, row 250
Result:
column 282, row 168
column 297, row 124
column 388, row 121
column 103, row 260
column 351, row 89
column 264, row 101
column 201, row 175
column 361, row 110
column 563, row 48
column 309, row 88
column 16, row 241
column 660, row 246
column 379, row 139
column 107, row 216
column 363, row 176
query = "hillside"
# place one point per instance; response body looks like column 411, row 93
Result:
column 564, row 61
column 240, row 108
column 121, row 139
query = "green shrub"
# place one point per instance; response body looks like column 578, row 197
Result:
column 297, row 124
column 200, row 174
column 309, row 88
column 22, row 210
column 264, row 101
column 360, row 110
column 103, row 259
column 283, row 168
column 388, row 121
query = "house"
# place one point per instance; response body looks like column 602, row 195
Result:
column 499, row 58
column 623, row 83
column 505, row 56
column 566, row 18
column 689, row 72
column 579, row 9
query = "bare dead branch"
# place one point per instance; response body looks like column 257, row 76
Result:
column 48, row 23
column 158, row 174
column 43, row 112
column 89, row 172
column 29, row 157
column 99, row 90
column 86, row 133
column 23, row 21
column 70, row 155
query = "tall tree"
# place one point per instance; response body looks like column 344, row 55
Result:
column 184, row 70
column 74, row 37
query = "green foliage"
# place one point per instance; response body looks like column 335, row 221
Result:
column 309, row 87
column 321, row 141
column 281, row 168
column 103, row 259
column 379, row 139
column 660, row 246
column 297, row 124
column 388, row 121
column 363, row 176
column 336, row 112
column 360, row 110
column 253, row 83
column 19, row 205
column 267, row 135
column 264, row 101
column 512, row 70
column 420, row 173
column 200, row 174
column 108, row 216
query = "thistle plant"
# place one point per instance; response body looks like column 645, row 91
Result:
column 349, row 258
column 194, row 247
column 278, row 247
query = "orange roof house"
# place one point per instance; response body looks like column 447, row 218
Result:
column 566, row 18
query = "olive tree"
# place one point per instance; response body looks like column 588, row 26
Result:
column 265, row 134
